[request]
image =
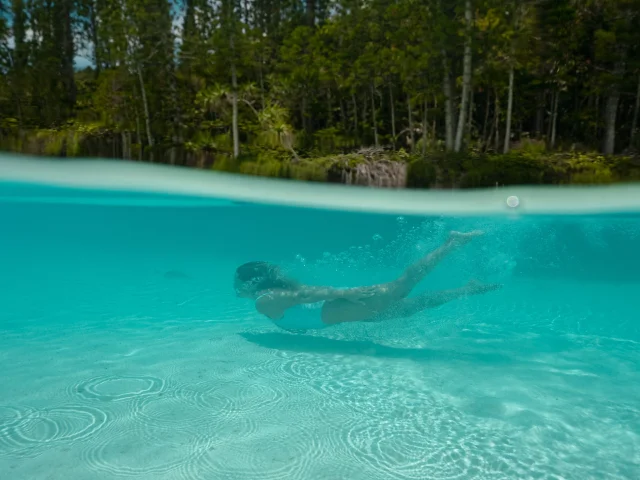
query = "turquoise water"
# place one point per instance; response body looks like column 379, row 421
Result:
column 125, row 353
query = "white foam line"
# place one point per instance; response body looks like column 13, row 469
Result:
column 132, row 176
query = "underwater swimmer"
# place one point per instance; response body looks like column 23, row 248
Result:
column 298, row 307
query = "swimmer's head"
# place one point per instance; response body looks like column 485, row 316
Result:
column 255, row 277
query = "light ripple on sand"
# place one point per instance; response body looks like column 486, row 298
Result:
column 275, row 452
column 397, row 423
column 202, row 409
column 32, row 431
column 127, row 452
column 118, row 388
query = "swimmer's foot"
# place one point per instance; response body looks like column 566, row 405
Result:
column 462, row 238
column 474, row 287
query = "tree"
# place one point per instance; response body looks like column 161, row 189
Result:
column 322, row 77
column 613, row 40
column 466, row 79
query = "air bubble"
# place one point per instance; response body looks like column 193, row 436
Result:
column 377, row 237
column 513, row 201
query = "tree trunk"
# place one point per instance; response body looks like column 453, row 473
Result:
column 393, row 117
column 412, row 134
column 610, row 114
column 466, row 78
column 234, row 106
column 176, row 112
column 597, row 122
column 234, row 100
column 554, row 118
column 496, row 145
column 311, row 12
column 365, row 113
column 471, row 108
column 550, row 121
column 636, row 109
column 539, row 115
column 355, row 114
column 329, row 108
column 138, row 135
column 303, row 114
column 448, row 103
column 425, row 126
column 373, row 117
column 343, row 114
column 261, row 80
column 145, row 105
column 507, row 133
column 487, row 108
column 495, row 127
column 68, row 52
column 434, row 128
column 93, row 35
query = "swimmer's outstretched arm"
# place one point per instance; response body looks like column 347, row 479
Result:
column 276, row 302
column 311, row 294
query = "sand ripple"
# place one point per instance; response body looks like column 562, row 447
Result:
column 31, row 431
column 270, row 454
column 164, row 452
column 118, row 388
column 192, row 410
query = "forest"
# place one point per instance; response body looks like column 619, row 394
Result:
column 458, row 93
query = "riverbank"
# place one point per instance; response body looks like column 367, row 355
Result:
column 529, row 163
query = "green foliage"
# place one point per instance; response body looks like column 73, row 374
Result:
column 528, row 146
column 520, row 168
column 422, row 173
column 331, row 139
column 305, row 88
column 307, row 171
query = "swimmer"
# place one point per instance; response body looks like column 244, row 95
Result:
column 297, row 307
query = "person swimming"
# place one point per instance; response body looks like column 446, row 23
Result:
column 298, row 307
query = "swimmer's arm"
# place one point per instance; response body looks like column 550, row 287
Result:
column 286, row 299
column 275, row 303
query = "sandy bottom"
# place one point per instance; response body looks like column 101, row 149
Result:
column 534, row 387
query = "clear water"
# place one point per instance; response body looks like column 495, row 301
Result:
column 124, row 352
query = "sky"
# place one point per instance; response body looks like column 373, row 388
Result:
column 84, row 56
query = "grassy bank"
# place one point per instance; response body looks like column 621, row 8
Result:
column 527, row 164
column 521, row 168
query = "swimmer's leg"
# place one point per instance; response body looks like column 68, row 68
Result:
column 416, row 272
column 410, row 306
